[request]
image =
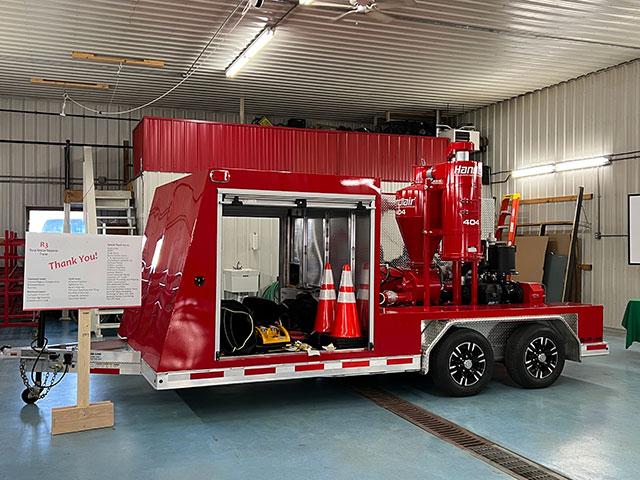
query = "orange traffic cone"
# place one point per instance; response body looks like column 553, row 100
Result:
column 346, row 331
column 326, row 312
column 362, row 297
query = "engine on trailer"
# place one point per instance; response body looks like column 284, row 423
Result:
column 494, row 278
column 439, row 217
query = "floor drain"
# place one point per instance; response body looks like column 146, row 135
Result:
column 505, row 460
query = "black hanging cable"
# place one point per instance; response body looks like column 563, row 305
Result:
column 40, row 351
column 185, row 77
column 213, row 37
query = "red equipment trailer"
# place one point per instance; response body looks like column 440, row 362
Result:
column 446, row 304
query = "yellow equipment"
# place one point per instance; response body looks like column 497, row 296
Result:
column 272, row 337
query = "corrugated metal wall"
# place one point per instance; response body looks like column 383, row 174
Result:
column 32, row 175
column 598, row 114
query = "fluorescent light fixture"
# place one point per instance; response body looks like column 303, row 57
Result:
column 254, row 47
column 530, row 171
column 305, row 2
column 579, row 164
column 96, row 57
column 561, row 167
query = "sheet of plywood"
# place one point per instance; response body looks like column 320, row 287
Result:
column 554, row 268
column 559, row 243
column 530, row 255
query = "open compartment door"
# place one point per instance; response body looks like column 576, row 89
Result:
column 271, row 251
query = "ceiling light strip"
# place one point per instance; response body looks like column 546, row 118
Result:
column 584, row 163
column 252, row 49
column 531, row 171
column 561, row 167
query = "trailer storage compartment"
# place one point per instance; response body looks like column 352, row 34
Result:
column 288, row 237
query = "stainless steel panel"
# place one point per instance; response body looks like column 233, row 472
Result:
column 488, row 218
column 364, row 270
column 314, row 258
column 392, row 248
column 339, row 245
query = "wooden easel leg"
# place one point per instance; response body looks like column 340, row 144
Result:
column 85, row 415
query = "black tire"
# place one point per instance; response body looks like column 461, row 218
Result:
column 28, row 397
column 462, row 363
column 534, row 356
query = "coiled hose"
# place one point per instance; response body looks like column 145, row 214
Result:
column 233, row 344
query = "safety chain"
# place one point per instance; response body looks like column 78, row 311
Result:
column 36, row 390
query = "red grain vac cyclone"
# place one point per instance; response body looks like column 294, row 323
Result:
column 439, row 213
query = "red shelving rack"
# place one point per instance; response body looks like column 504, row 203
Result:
column 12, row 283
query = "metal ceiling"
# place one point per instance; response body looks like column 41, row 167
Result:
column 448, row 54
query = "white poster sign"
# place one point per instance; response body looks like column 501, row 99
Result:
column 64, row 271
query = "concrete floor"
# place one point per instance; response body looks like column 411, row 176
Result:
column 585, row 426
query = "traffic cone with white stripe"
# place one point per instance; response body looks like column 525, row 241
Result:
column 362, row 297
column 326, row 312
column 346, row 332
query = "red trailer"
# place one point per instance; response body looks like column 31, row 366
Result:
column 440, row 300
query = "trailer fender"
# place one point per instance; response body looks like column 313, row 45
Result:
column 497, row 330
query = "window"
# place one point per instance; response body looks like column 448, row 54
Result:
column 51, row 220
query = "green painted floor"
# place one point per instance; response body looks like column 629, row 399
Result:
column 584, row 426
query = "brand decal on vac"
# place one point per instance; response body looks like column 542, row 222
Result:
column 464, row 170
column 405, row 202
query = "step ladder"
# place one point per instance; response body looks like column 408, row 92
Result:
column 115, row 215
column 108, row 212
column 115, row 212
column 508, row 210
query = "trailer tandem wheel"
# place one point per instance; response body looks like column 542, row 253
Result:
column 463, row 363
column 534, row 356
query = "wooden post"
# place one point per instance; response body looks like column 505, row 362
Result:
column 66, row 228
column 571, row 256
column 84, row 415
column 83, row 358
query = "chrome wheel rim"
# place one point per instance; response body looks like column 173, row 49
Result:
column 541, row 357
column 467, row 364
